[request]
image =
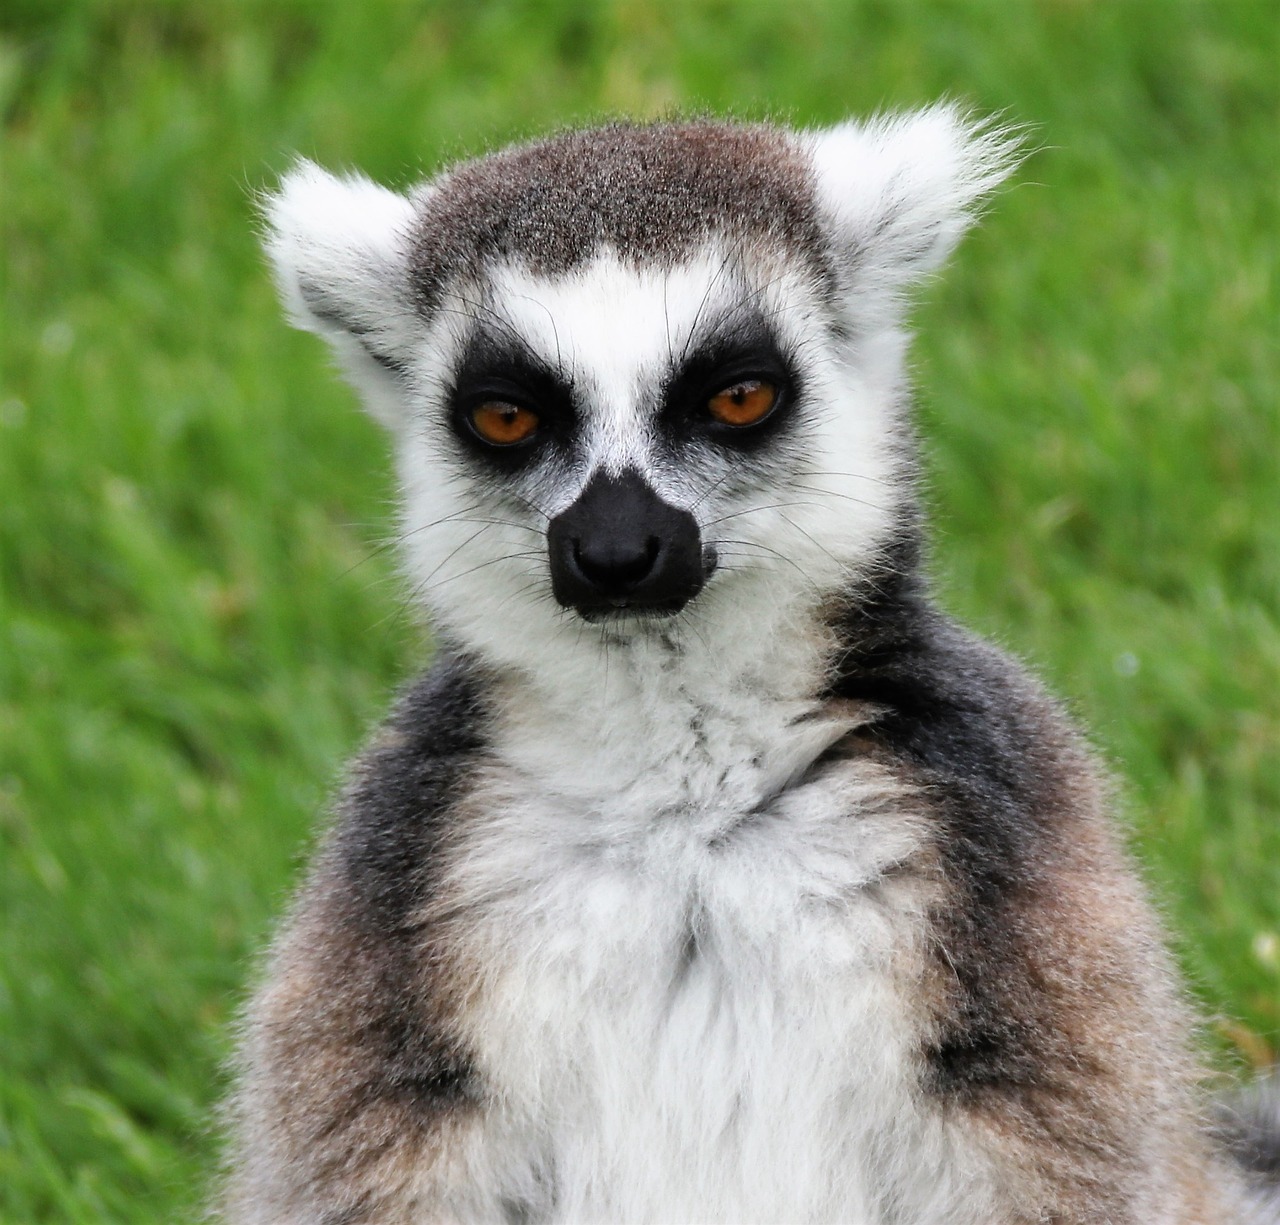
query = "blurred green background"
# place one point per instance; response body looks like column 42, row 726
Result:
column 198, row 620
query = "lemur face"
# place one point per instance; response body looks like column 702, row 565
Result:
column 619, row 421
column 660, row 427
column 640, row 377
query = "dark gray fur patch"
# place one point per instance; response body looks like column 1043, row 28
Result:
column 398, row 806
column 652, row 192
column 329, row 309
column 992, row 757
column 1248, row 1125
column 383, row 865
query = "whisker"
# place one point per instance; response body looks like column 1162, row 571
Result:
column 492, row 561
column 555, row 332
column 851, row 476
column 685, row 620
column 842, row 564
column 528, row 504
column 453, row 553
column 751, row 510
column 848, row 497
column 708, row 492
column 400, row 538
column 497, row 317
column 764, row 548
column 702, row 305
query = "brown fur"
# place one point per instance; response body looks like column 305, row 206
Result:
column 652, row 193
column 1059, row 1034
column 357, row 1088
column 1053, row 1050
column 331, row 1100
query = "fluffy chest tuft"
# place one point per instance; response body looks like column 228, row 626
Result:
column 698, row 969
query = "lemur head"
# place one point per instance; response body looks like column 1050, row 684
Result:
column 641, row 379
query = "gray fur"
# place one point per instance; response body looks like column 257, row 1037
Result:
column 1248, row 1126
column 652, row 192
column 863, row 862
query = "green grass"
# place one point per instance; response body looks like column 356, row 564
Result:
column 198, row 623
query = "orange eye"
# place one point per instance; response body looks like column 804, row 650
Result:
column 502, row 424
column 744, row 403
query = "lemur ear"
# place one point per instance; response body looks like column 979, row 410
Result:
column 339, row 247
column 897, row 192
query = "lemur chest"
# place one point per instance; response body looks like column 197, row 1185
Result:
column 702, row 981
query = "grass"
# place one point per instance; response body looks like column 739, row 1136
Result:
column 198, row 623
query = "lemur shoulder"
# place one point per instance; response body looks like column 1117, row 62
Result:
column 711, row 873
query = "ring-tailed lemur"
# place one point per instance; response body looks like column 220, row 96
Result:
column 711, row 873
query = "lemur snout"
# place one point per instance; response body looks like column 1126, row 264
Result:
column 621, row 546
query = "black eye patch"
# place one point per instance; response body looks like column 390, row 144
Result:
column 498, row 368
column 729, row 357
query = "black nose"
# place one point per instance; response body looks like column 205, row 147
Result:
column 616, row 564
column 621, row 546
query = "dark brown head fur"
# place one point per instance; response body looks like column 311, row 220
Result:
column 651, row 193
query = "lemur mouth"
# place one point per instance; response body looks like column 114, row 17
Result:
column 622, row 611
column 621, row 551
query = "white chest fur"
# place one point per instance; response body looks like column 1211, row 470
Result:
column 696, row 971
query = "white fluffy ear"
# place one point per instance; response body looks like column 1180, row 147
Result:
column 340, row 250
column 898, row 191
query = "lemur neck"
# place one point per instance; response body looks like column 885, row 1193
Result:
column 676, row 718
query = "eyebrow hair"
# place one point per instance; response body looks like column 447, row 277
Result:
column 489, row 349
column 741, row 330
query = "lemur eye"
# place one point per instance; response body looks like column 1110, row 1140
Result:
column 745, row 403
column 503, row 425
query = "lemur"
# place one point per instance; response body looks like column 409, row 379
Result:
column 711, row 873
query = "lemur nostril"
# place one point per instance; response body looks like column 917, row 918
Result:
column 613, row 563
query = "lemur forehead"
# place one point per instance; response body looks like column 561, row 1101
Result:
column 606, row 321
column 653, row 194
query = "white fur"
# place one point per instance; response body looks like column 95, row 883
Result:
column 650, row 780
column 767, row 1076
column 347, row 239
column 483, row 572
column 900, row 191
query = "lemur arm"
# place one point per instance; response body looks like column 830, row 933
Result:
column 357, row 1103
column 356, row 1107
